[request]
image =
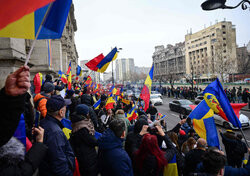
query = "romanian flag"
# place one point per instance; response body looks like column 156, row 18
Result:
column 121, row 92
column 114, row 91
column 161, row 116
column 117, row 92
column 38, row 81
column 69, row 68
column 126, row 101
column 146, row 90
column 217, row 100
column 111, row 89
column 110, row 103
column 92, row 64
column 204, row 125
column 67, row 127
column 49, row 53
column 89, row 80
column 171, row 168
column 63, row 77
column 13, row 10
column 132, row 116
column 23, row 18
column 103, row 65
column 79, row 71
column 97, row 104
column 69, row 76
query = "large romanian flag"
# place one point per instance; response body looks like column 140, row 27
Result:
column 217, row 100
column 103, row 65
column 146, row 90
column 204, row 125
column 92, row 64
column 22, row 18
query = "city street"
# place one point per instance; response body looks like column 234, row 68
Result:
column 173, row 117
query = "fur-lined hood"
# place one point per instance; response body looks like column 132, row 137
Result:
column 12, row 152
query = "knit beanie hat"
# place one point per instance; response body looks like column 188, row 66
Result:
column 55, row 103
column 48, row 87
column 82, row 109
column 48, row 77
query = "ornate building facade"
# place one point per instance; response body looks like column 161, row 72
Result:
column 169, row 62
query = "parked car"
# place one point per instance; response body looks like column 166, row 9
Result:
column 198, row 99
column 244, row 120
column 156, row 93
column 156, row 100
column 181, row 106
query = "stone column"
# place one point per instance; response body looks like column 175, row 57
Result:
column 12, row 56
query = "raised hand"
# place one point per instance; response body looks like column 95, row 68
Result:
column 18, row 82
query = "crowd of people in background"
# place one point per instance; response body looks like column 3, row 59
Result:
column 103, row 141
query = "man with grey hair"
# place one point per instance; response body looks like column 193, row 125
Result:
column 60, row 158
column 194, row 157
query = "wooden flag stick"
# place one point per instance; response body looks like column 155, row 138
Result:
column 38, row 32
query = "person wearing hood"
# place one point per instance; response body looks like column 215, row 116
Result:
column 88, row 100
column 119, row 114
column 113, row 159
column 40, row 99
column 133, row 139
column 83, row 141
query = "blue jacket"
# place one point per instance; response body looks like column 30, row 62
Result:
column 230, row 171
column 60, row 159
column 113, row 159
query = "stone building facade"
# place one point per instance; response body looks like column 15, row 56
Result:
column 14, row 51
column 211, row 52
column 169, row 62
column 243, row 60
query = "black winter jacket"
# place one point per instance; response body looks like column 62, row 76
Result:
column 14, row 162
column 84, row 145
column 11, row 109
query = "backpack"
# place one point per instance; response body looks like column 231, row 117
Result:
column 38, row 101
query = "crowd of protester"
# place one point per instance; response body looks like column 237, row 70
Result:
column 234, row 95
column 103, row 141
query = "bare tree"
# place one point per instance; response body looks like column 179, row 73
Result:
column 244, row 61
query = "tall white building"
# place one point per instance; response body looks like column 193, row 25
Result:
column 86, row 71
column 124, row 69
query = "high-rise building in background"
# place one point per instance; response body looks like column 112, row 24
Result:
column 86, row 71
column 211, row 52
column 169, row 62
column 124, row 69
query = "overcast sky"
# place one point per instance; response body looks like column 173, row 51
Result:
column 138, row 26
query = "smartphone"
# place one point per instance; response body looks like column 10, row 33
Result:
column 37, row 119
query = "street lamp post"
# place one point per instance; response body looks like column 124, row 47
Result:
column 221, row 4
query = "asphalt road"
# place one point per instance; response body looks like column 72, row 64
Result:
column 173, row 118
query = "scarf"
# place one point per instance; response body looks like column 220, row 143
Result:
column 85, row 123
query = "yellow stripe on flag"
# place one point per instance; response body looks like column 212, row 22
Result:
column 23, row 28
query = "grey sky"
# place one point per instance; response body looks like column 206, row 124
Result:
column 138, row 26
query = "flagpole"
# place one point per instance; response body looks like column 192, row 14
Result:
column 244, row 137
column 38, row 32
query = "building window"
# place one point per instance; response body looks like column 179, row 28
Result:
column 224, row 51
column 212, row 34
column 224, row 38
column 205, row 42
column 224, row 45
column 223, row 26
column 224, row 32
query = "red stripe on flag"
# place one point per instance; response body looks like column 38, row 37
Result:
column 92, row 64
column 13, row 10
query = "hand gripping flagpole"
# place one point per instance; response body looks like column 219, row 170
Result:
column 38, row 32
